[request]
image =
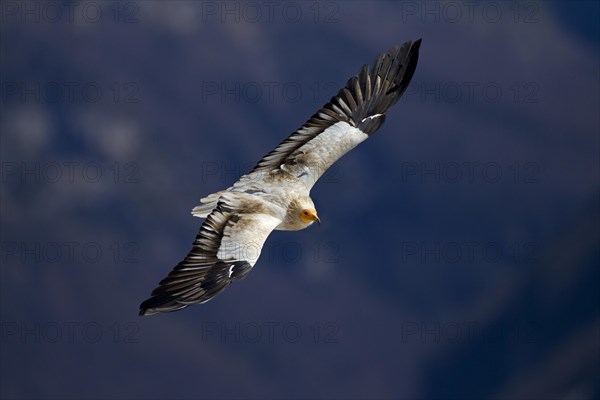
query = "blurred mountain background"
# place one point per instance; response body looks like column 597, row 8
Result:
column 458, row 255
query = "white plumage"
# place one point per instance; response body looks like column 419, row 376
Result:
column 276, row 193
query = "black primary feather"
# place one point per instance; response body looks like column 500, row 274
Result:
column 201, row 275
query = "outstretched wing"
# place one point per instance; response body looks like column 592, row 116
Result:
column 349, row 118
column 226, row 248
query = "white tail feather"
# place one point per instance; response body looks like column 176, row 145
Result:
column 207, row 204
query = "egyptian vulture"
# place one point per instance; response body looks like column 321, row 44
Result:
column 276, row 193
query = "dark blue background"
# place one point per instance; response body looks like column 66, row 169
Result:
column 420, row 283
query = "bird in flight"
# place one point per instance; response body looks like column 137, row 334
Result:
column 275, row 195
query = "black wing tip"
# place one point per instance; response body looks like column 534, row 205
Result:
column 413, row 53
column 156, row 305
column 401, row 64
column 143, row 312
column 149, row 307
column 412, row 45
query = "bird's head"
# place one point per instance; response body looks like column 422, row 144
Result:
column 306, row 211
column 309, row 215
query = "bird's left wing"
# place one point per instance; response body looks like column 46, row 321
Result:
column 349, row 118
column 226, row 248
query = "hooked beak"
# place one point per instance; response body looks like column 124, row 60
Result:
column 309, row 216
column 315, row 217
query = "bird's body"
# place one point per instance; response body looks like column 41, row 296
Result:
column 275, row 195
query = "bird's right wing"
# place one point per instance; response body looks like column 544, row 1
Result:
column 349, row 118
column 226, row 248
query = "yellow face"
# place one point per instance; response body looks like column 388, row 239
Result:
column 309, row 215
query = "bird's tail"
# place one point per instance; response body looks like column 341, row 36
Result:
column 207, row 204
